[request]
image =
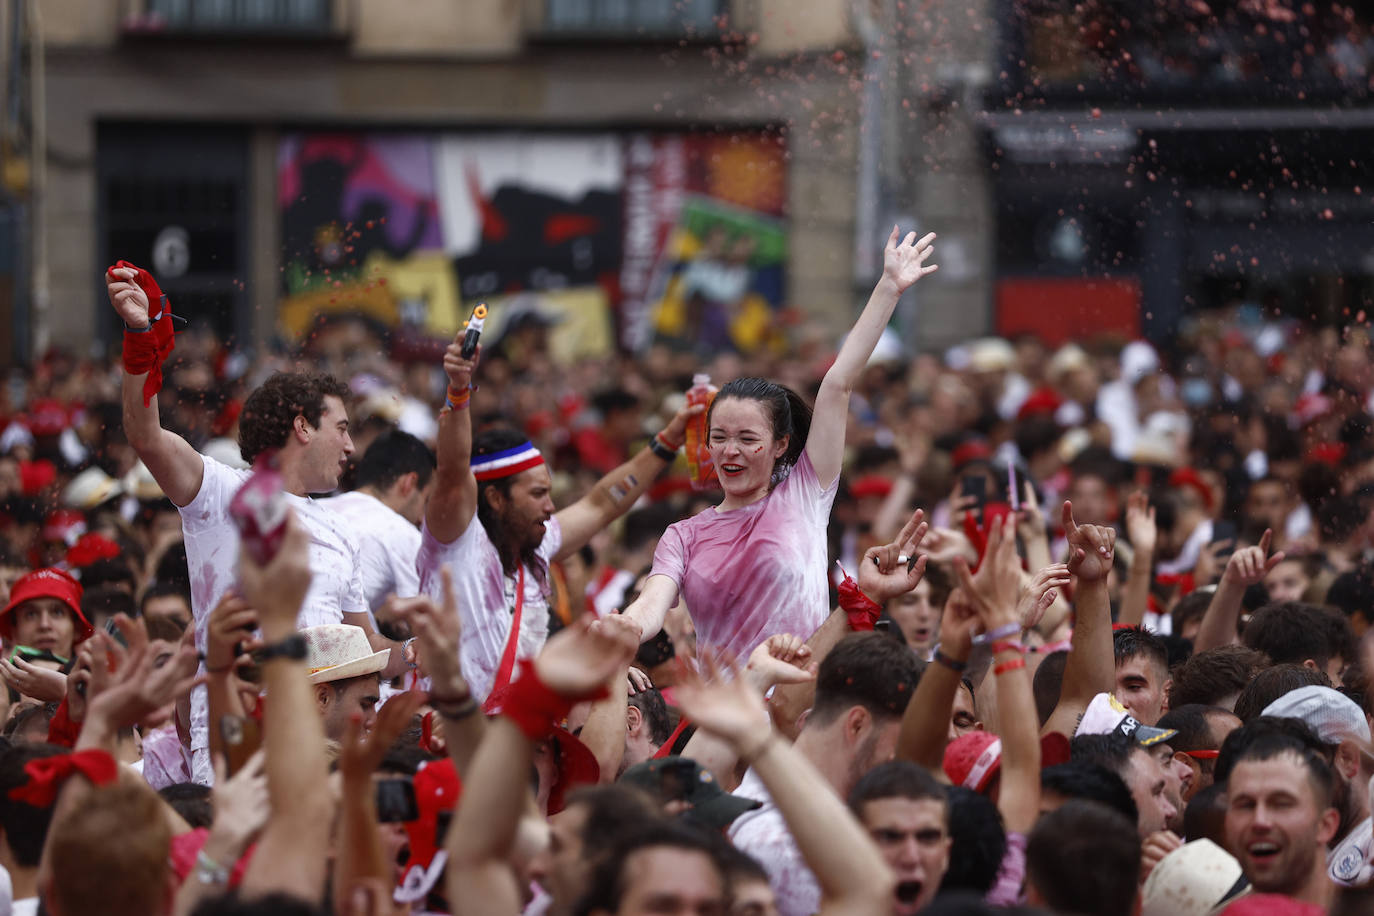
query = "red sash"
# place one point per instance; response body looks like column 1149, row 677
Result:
column 507, row 667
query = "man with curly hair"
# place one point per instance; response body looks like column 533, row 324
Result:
column 297, row 417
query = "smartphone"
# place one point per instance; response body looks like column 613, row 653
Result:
column 976, row 486
column 396, row 801
column 114, row 631
column 241, row 737
column 1224, row 530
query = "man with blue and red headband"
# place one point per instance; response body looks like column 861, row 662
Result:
column 499, row 566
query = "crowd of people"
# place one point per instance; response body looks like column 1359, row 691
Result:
column 372, row 628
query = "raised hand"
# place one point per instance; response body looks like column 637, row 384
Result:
column 360, row 754
column 1251, row 565
column 1140, row 523
column 904, row 262
column 676, row 430
column 458, row 369
column 723, row 703
column 995, row 590
column 579, row 660
column 437, row 631
column 1091, row 548
column 883, row 575
column 127, row 297
column 229, row 637
column 1039, row 593
column 958, row 625
column 780, row 659
column 147, row 679
column 242, row 807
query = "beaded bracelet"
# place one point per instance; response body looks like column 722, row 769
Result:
column 458, row 399
column 953, row 664
column 1012, row 665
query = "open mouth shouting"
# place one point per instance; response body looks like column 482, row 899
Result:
column 732, row 470
column 908, row 896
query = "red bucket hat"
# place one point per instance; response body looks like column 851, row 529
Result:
column 46, row 583
column 972, row 760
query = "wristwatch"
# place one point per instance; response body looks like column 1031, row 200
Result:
column 292, row 647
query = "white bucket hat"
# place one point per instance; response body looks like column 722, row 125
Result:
column 338, row 651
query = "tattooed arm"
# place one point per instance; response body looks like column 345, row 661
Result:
column 615, row 493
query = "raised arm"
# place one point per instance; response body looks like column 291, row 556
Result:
column 1143, row 533
column 1245, row 568
column 615, row 493
column 1091, row 668
column 576, row 664
column 291, row 857
column 453, row 502
column 176, row 467
column 882, row 576
column 903, row 264
column 925, row 724
column 849, row 868
column 995, row 592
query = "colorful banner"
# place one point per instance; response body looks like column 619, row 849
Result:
column 678, row 238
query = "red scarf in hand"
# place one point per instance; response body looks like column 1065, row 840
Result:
column 145, row 351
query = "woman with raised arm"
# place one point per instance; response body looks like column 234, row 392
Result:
column 755, row 565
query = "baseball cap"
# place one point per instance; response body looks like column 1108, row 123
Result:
column 972, row 760
column 681, row 779
column 1106, row 716
column 49, row 582
column 1332, row 715
column 1192, row 881
column 437, row 790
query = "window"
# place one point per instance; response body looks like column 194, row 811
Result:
column 289, row 17
column 625, row 19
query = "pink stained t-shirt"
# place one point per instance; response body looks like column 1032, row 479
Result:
column 750, row 573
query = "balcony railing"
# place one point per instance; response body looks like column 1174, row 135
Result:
column 215, row 18
column 626, row 20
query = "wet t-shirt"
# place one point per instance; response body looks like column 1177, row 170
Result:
column 750, row 573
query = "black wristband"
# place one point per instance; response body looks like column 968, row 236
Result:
column 292, row 647
column 661, row 450
column 949, row 662
column 455, row 709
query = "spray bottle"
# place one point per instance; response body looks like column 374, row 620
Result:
column 699, row 464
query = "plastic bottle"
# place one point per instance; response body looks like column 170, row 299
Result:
column 699, row 464
column 259, row 510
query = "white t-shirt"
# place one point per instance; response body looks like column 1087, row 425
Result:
column 763, row 834
column 387, row 547
column 1348, row 864
column 212, row 551
column 486, row 598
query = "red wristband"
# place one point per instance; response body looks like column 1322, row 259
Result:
column 863, row 611
column 1012, row 665
column 533, row 707
column 1007, row 645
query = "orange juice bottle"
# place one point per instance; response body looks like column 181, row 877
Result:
column 699, row 464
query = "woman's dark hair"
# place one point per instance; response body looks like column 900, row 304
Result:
column 785, row 409
column 487, row 442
